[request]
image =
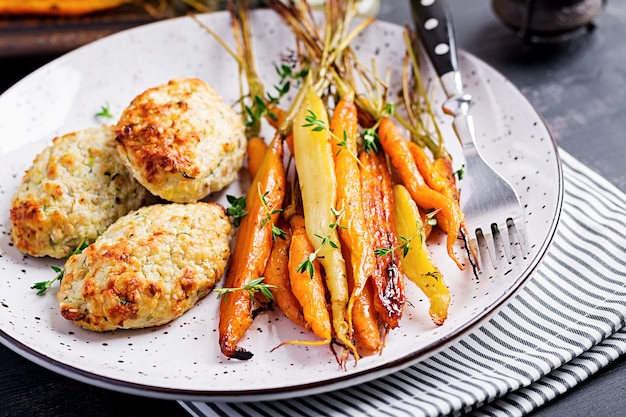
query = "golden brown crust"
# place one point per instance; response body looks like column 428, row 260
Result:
column 181, row 141
column 148, row 268
column 74, row 190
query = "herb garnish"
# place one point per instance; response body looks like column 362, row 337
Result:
column 370, row 136
column 105, row 111
column 307, row 264
column 43, row 286
column 276, row 231
column 253, row 287
column 318, row 125
column 237, row 209
column 261, row 106
column 459, row 172
column 406, row 241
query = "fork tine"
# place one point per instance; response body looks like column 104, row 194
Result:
column 484, row 263
column 501, row 241
column 518, row 236
column 499, row 245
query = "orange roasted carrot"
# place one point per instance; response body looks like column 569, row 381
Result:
column 426, row 167
column 252, row 249
column 436, row 172
column 353, row 230
column 365, row 319
column 275, row 118
column 386, row 280
column 277, row 274
column 450, row 217
column 308, row 289
column 443, row 165
column 256, row 149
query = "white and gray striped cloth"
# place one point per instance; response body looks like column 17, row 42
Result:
column 563, row 326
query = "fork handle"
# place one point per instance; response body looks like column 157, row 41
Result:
column 433, row 23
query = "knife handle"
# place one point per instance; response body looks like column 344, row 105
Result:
column 433, row 23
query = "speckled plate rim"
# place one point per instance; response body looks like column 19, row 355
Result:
column 340, row 380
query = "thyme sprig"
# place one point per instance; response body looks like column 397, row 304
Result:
column 262, row 106
column 318, row 125
column 252, row 288
column 43, row 286
column 405, row 241
column 287, row 74
column 371, row 141
column 277, row 232
column 307, row 264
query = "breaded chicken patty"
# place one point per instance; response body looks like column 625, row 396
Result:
column 181, row 141
column 75, row 189
column 148, row 268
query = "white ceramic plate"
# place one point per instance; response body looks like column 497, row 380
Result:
column 182, row 360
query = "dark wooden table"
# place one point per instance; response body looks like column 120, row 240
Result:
column 578, row 86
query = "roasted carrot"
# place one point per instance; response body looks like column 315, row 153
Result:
column 353, row 229
column 416, row 261
column 309, row 290
column 436, row 172
column 450, row 217
column 387, row 282
column 275, row 118
column 256, row 149
column 252, row 249
column 277, row 274
column 443, row 165
column 426, row 167
column 366, row 331
column 318, row 186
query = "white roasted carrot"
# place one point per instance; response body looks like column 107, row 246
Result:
column 318, row 186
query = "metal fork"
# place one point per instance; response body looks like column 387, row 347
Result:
column 493, row 213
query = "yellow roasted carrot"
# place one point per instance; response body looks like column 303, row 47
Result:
column 252, row 249
column 416, row 263
column 318, row 186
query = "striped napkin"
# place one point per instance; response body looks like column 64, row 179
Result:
column 563, row 326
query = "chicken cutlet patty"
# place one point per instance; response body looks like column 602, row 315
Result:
column 148, row 268
column 181, row 141
column 75, row 189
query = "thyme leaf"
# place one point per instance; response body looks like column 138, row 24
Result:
column 460, row 172
column 105, row 111
column 237, row 209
